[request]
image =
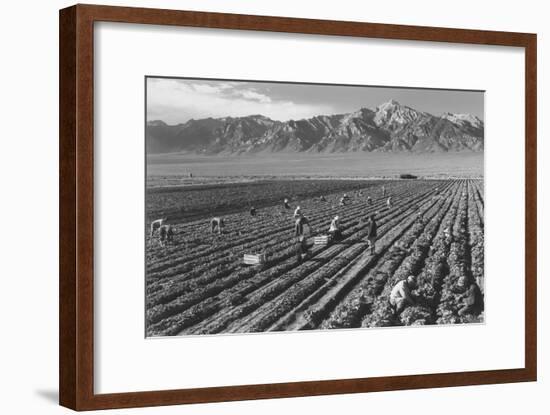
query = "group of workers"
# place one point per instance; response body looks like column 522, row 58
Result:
column 401, row 297
column 166, row 231
column 469, row 296
column 334, row 232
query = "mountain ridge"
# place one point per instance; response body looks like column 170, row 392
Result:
column 389, row 127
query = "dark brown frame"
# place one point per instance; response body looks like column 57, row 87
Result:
column 76, row 178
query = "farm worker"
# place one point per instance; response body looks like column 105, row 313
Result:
column 471, row 299
column 216, row 224
column 302, row 249
column 287, row 206
column 400, row 296
column 252, row 211
column 447, row 234
column 156, row 224
column 369, row 200
column 372, row 233
column 166, row 234
column 298, row 212
column 322, row 198
column 344, row 199
column 299, row 226
column 383, row 191
column 388, row 202
column 334, row 229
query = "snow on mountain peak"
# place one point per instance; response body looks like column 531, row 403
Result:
column 392, row 113
column 463, row 118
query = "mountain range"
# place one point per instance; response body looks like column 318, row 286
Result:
column 390, row 127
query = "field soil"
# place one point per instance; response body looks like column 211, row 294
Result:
column 199, row 285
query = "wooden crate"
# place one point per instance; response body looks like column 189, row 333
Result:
column 322, row 240
column 254, row 259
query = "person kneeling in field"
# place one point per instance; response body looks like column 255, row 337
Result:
column 372, row 233
column 156, row 224
column 302, row 249
column 400, row 296
column 471, row 299
column 252, row 211
column 166, row 235
column 216, row 224
column 334, row 230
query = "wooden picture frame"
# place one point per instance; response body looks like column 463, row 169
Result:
column 76, row 182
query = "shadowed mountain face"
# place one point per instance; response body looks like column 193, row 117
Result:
column 391, row 127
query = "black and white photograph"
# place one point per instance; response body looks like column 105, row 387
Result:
column 280, row 206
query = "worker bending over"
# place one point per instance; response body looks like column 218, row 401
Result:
column 217, row 224
column 166, row 235
column 400, row 296
column 156, row 224
column 470, row 299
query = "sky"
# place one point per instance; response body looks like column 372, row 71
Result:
column 177, row 100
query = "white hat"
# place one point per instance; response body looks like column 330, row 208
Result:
column 336, row 217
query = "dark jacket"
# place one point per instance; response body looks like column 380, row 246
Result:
column 473, row 297
column 299, row 225
column 372, row 229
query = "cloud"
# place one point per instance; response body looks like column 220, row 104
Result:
column 176, row 101
column 206, row 89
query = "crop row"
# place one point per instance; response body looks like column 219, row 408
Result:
column 371, row 296
column 195, row 293
column 196, row 241
column 226, row 264
column 235, row 296
column 261, row 238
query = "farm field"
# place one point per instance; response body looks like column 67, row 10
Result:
column 199, row 284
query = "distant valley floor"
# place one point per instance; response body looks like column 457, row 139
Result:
column 432, row 165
